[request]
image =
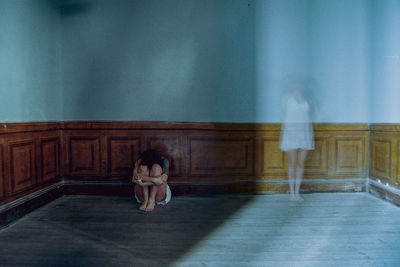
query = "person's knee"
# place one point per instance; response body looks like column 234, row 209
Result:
column 156, row 170
column 292, row 164
column 143, row 169
column 299, row 165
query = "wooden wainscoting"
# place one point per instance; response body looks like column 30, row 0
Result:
column 385, row 161
column 2, row 176
column 30, row 158
column 49, row 159
column 215, row 157
column 341, row 151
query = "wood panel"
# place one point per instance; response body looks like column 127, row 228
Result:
column 22, row 165
column 50, row 158
column 349, row 156
column 397, row 162
column 385, row 154
column 384, row 162
column 29, row 158
column 221, row 157
column 273, row 159
column 381, row 161
column 84, row 156
column 2, row 177
column 171, row 147
column 316, row 164
column 122, row 152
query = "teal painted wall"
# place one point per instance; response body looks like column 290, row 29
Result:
column 29, row 62
column 176, row 60
column 385, row 61
column 323, row 41
column 190, row 60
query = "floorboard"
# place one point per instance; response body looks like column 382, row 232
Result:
column 331, row 229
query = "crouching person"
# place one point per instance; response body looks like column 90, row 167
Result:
column 150, row 176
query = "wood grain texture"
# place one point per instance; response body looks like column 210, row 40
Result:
column 84, row 156
column 50, row 158
column 29, row 158
column 210, row 156
column 2, row 177
column 211, row 152
column 385, row 154
column 263, row 230
column 317, row 161
column 351, row 154
column 337, row 153
column 22, row 165
column 205, row 157
column 122, row 152
column 198, row 152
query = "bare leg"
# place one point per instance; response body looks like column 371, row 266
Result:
column 291, row 172
column 145, row 198
column 155, row 171
column 301, row 158
column 143, row 191
column 152, row 199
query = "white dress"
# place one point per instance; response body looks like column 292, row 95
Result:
column 296, row 132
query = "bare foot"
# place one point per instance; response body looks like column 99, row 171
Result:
column 150, row 206
column 299, row 198
column 292, row 197
column 143, row 206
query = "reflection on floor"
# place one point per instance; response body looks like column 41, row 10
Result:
column 342, row 229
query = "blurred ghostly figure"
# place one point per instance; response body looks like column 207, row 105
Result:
column 296, row 134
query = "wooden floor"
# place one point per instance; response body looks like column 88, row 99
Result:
column 335, row 229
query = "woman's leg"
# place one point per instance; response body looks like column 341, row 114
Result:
column 142, row 192
column 157, row 192
column 301, row 158
column 292, row 157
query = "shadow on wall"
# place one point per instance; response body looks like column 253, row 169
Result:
column 71, row 7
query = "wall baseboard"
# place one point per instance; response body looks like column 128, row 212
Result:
column 13, row 210
column 125, row 189
column 383, row 191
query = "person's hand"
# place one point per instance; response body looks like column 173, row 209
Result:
column 135, row 176
column 140, row 182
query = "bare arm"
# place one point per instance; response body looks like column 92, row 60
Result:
column 141, row 183
column 135, row 170
column 155, row 180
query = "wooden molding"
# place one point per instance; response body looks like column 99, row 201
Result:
column 198, row 152
column 22, row 165
column 50, row 158
column 122, row 152
column 24, row 127
column 84, row 156
column 2, row 177
column 210, row 156
column 204, row 157
column 385, row 127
